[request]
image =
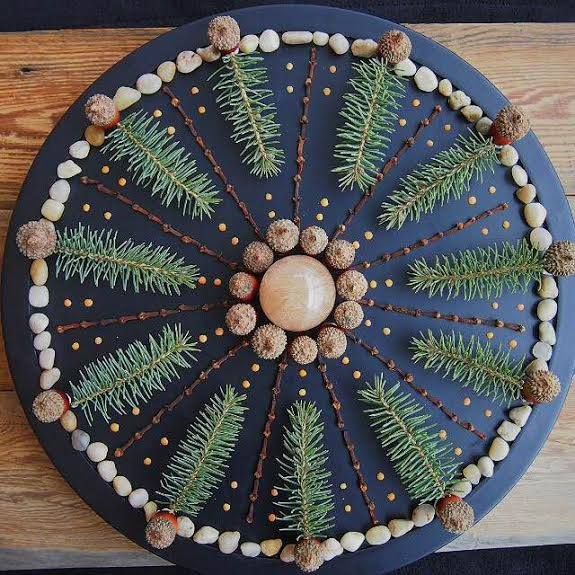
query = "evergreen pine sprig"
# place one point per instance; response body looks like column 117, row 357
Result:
column 487, row 370
column 421, row 460
column 83, row 252
column 131, row 376
column 481, row 272
column 307, row 501
column 248, row 105
column 198, row 466
column 447, row 176
column 369, row 114
column 157, row 160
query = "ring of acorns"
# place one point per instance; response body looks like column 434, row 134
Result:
column 295, row 278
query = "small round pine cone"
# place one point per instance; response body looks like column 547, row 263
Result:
column 37, row 239
column 394, row 47
column 313, row 240
column 243, row 286
column 348, row 314
column 282, row 236
column 455, row 514
column 510, row 125
column 308, row 555
column 540, row 387
column 560, row 259
column 241, row 319
column 161, row 529
column 224, row 34
column 269, row 341
column 258, row 257
column 331, row 342
column 101, row 111
column 351, row 285
column 339, row 254
column 49, row 406
column 303, row 349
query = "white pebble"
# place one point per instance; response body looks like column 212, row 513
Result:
column 461, row 488
column 405, row 69
column 107, row 470
column 546, row 309
column 520, row 415
column 250, row 549
column 97, row 451
column 39, row 272
column 486, row 466
column 542, row 350
column 209, row 54
column 526, row 194
column 228, row 541
column 499, row 449
column 536, row 365
column 471, row 113
column 49, row 378
column 331, row 548
column 150, row 509
column 122, row 485
column 508, row 156
column 483, row 125
column 187, row 61
column 535, row 214
column 547, row 333
column 80, row 440
column 60, row 191
column 458, row 100
column 364, row 48
column 148, row 83
column 519, row 175
column 297, row 37
column 508, row 431
column 46, row 358
column 126, row 97
column 425, row 79
column 69, row 421
column 166, row 71
column 138, row 498
column 52, row 210
column 378, row 535
column 399, row 527
column 288, row 553
column 540, row 239
column 269, row 41
column 249, row 44
column 271, row 547
column 206, row 535
column 352, row 541
column 320, row 38
column 68, row 169
column 42, row 340
column 339, row 44
column 38, row 296
column 548, row 288
column 185, row 527
column 423, row 514
column 38, row 322
column 445, row 87
column 79, row 150
column 471, row 473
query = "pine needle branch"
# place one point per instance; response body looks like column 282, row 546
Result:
column 421, row 460
column 487, row 370
column 481, row 272
column 157, row 160
column 249, row 107
column 307, row 502
column 131, row 376
column 369, row 114
column 198, row 466
column 447, row 176
column 83, row 252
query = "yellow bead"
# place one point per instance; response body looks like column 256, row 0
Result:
column 489, row 335
column 391, row 496
column 289, row 89
column 171, row 130
column 513, row 344
column 386, row 331
column 367, row 323
column 347, row 508
column 246, row 384
column 234, row 484
column 202, row 280
column 343, row 486
column 333, row 69
column 356, row 374
column 442, row 434
column 388, row 283
column 122, row 182
column 195, row 90
column 219, row 331
column 289, row 66
column 447, row 127
column 67, row 303
column 222, row 227
column 324, row 202
column 492, row 189
column 319, row 217
column 107, row 215
column 157, row 113
column 88, row 302
column 458, row 451
column 272, row 517
column 326, row 91
column 86, row 208
column 226, row 506
column 372, row 284
column 135, row 411
column 255, row 367
column 485, row 231
column 302, row 392
column 472, row 200
column 302, row 372
column 164, row 441
column 380, row 476
column 429, row 143
column 203, row 338
column 355, row 244
column 98, row 340
column 202, row 109
column 217, row 282
column 235, row 241
column 268, row 197
column 271, row 215
column 506, row 225
column 488, row 413
column 368, row 235
column 105, row 169
column 467, row 401
column 114, row 427
column 274, row 492
column 147, row 461
column 416, row 103
column 402, row 122
column 75, row 346
column 345, row 360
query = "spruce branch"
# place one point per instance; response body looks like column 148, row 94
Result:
column 249, row 107
column 421, row 460
column 198, row 466
column 307, row 502
column 131, row 376
column 481, row 272
column 489, row 371
column 369, row 114
column 447, row 176
column 83, row 252
column 157, row 160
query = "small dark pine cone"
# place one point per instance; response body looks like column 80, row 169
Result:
column 313, row 240
column 243, row 286
column 308, row 555
column 282, row 236
column 541, row 387
column 258, row 257
column 339, row 254
column 331, row 342
column 351, row 285
column 303, row 349
column 348, row 314
column 510, row 125
column 49, row 406
column 224, row 34
column 37, row 239
column 560, row 259
column 269, row 341
column 161, row 530
column 241, row 319
column 394, row 47
column 455, row 514
column 101, row 111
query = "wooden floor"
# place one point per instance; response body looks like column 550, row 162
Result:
column 43, row 523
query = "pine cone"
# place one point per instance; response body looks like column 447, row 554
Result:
column 541, row 387
column 269, row 341
column 37, row 239
column 394, row 47
column 161, row 530
column 510, row 125
column 308, row 555
column 560, row 259
column 224, row 34
column 455, row 514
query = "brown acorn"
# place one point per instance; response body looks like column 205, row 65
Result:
column 394, row 47
column 510, row 125
column 455, row 514
column 560, row 259
column 308, row 555
column 37, row 239
column 224, row 34
column 49, row 406
column 161, row 529
column 101, row 111
column 540, row 387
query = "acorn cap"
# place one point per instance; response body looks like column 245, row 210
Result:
column 37, row 239
column 258, row 257
column 455, row 514
column 331, row 342
column 303, row 349
column 540, row 386
column 308, row 555
column 224, row 34
column 510, row 125
column 313, row 240
column 269, row 341
column 243, row 286
column 339, row 254
column 101, row 111
column 282, row 236
column 394, row 47
column 348, row 314
column 559, row 259
column 161, row 529
column 351, row 285
column 50, row 405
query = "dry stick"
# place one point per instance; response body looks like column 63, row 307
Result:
column 413, row 312
column 259, row 472
column 168, row 408
column 410, row 379
column 302, row 138
column 166, row 228
column 434, row 238
column 141, row 316
column 229, row 188
column 336, row 404
column 388, row 166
